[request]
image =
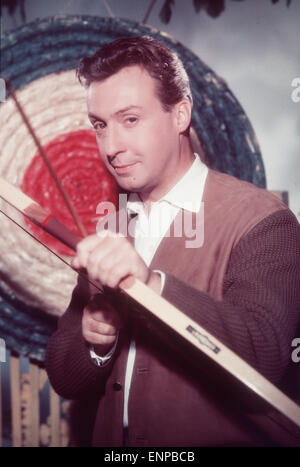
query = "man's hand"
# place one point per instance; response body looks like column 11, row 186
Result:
column 110, row 257
column 100, row 324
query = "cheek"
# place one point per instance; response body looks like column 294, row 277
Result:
column 104, row 158
column 99, row 143
column 162, row 142
column 153, row 137
column 101, row 151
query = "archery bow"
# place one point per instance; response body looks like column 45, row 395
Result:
column 163, row 310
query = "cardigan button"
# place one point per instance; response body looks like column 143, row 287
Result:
column 117, row 386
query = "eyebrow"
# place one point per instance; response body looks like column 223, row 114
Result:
column 119, row 112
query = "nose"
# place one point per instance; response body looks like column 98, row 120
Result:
column 112, row 142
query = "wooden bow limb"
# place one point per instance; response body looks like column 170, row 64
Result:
column 164, row 311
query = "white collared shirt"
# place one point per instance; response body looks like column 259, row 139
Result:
column 186, row 194
column 149, row 231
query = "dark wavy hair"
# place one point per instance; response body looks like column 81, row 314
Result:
column 161, row 63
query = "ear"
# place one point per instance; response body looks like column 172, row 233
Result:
column 183, row 114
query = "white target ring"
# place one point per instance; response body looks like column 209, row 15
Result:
column 54, row 104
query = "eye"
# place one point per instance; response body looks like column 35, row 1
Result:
column 98, row 125
column 130, row 121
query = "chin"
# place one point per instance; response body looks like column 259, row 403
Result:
column 130, row 185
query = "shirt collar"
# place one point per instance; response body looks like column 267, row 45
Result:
column 186, row 194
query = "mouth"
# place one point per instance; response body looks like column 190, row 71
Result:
column 123, row 169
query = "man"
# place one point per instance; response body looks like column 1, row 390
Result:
column 241, row 282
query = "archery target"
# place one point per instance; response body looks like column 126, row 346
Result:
column 39, row 59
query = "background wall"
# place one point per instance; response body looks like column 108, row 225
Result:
column 253, row 45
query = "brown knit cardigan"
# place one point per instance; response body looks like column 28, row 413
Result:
column 242, row 285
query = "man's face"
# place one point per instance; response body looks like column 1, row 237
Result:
column 138, row 140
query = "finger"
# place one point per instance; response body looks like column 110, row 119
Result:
column 98, row 339
column 100, row 257
column 86, row 246
column 118, row 260
column 102, row 316
column 122, row 266
column 103, row 328
column 106, row 269
column 118, row 271
column 94, row 317
column 75, row 263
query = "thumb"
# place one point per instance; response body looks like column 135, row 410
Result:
column 75, row 263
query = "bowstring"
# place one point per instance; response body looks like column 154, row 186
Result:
column 81, row 274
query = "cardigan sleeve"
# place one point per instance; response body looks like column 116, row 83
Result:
column 259, row 313
column 68, row 362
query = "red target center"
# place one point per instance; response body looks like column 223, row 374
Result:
column 77, row 163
